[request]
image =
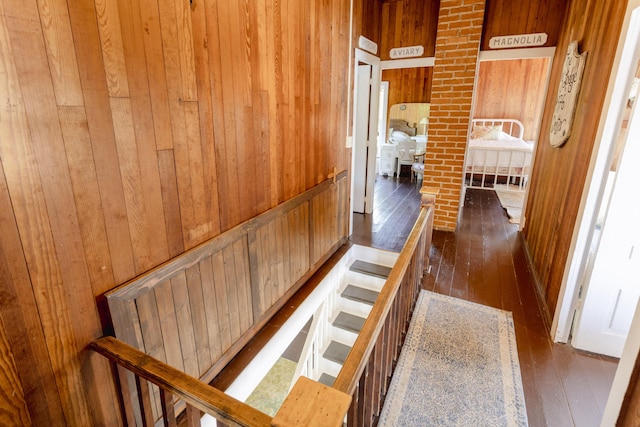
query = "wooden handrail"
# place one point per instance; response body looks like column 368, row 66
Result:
column 359, row 383
column 194, row 392
column 358, row 357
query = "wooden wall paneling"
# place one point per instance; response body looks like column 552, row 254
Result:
column 186, row 50
column 186, row 326
column 210, row 303
column 226, row 155
column 232, row 293
column 288, row 277
column 65, row 286
column 409, row 85
column 156, row 74
column 169, row 324
column 273, row 83
column 203, row 225
column 277, row 261
column 245, row 303
column 112, row 48
column 13, row 407
column 504, row 17
column 512, row 89
column 54, row 18
column 559, row 173
column 84, row 180
column 19, row 308
column 98, row 111
column 205, row 110
column 170, row 202
column 141, row 111
column 408, row 23
column 129, row 168
column 224, row 318
column 199, row 318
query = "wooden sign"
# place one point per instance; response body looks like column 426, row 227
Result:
column 368, row 45
column 519, row 40
column 406, row 52
column 567, row 95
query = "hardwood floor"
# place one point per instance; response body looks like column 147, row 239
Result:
column 484, row 262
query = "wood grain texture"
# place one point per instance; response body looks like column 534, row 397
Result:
column 559, row 173
column 512, row 89
column 408, row 23
column 13, row 406
column 195, row 312
column 504, row 18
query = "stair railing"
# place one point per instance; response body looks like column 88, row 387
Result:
column 367, row 371
column 358, row 391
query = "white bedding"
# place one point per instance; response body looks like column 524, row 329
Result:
column 497, row 153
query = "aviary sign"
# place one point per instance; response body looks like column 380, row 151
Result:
column 406, row 52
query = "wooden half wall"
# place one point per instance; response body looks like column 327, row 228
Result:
column 198, row 310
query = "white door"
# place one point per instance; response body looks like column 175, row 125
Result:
column 614, row 284
column 361, row 137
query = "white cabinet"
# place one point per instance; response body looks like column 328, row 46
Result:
column 387, row 159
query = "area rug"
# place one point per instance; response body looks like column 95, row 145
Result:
column 511, row 198
column 459, row 367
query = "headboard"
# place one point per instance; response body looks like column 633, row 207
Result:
column 402, row 125
column 511, row 126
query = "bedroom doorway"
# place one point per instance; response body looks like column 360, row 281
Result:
column 512, row 84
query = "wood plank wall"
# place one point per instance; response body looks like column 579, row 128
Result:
column 409, row 84
column 197, row 311
column 132, row 131
column 559, row 174
column 513, row 89
column 408, row 23
column 508, row 17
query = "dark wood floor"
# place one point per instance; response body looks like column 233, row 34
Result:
column 484, row 262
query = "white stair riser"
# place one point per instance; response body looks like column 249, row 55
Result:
column 362, row 281
column 342, row 335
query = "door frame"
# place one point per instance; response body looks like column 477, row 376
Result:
column 362, row 57
column 576, row 272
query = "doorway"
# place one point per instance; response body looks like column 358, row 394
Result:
column 611, row 284
column 365, row 127
column 600, row 295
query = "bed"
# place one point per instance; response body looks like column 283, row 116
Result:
column 497, row 154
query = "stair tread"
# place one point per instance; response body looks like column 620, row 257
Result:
column 356, row 293
column 327, row 379
column 370, row 269
column 349, row 322
column 336, row 352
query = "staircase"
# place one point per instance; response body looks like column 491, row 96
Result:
column 359, row 289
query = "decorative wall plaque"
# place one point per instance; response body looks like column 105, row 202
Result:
column 567, row 95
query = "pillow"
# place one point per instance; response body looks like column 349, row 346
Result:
column 487, row 132
column 478, row 131
column 397, row 136
column 494, row 132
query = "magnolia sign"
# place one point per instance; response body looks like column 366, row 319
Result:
column 520, row 40
column 406, row 52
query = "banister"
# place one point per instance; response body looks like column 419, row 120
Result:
column 354, row 365
column 194, row 392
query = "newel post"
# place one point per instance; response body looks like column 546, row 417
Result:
column 428, row 201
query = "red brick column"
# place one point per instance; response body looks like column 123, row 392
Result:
column 454, row 75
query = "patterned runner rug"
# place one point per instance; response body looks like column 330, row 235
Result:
column 459, row 367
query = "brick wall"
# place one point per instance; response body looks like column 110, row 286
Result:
column 454, row 75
